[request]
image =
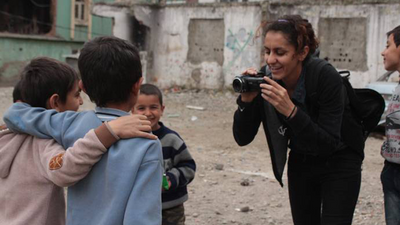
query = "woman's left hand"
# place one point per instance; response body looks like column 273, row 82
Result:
column 277, row 96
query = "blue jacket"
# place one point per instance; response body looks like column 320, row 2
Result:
column 124, row 187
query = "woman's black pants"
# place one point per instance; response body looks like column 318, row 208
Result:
column 324, row 190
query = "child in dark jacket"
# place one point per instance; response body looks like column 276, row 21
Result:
column 179, row 165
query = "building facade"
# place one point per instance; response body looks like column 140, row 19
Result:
column 193, row 43
column 53, row 28
column 206, row 43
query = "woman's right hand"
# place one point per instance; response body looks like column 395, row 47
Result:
column 249, row 96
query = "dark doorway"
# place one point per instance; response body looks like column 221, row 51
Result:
column 139, row 34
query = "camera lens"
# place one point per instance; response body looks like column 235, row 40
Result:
column 237, row 85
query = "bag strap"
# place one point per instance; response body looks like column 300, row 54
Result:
column 313, row 70
column 355, row 103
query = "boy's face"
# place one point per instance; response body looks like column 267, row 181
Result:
column 73, row 100
column 149, row 105
column 391, row 55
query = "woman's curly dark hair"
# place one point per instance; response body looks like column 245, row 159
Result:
column 298, row 31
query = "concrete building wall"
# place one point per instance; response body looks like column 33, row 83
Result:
column 173, row 62
column 19, row 50
column 177, row 55
column 121, row 17
column 352, row 34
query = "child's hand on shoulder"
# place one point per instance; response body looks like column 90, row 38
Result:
column 131, row 126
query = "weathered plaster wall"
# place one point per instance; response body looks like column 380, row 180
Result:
column 120, row 16
column 18, row 50
column 171, row 65
column 380, row 18
column 171, row 55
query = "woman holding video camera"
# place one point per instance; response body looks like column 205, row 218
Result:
column 324, row 173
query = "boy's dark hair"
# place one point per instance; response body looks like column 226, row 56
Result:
column 43, row 77
column 17, row 92
column 109, row 68
column 396, row 35
column 150, row 89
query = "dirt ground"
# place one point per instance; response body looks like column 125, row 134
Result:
column 235, row 185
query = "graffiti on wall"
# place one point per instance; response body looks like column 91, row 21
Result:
column 238, row 42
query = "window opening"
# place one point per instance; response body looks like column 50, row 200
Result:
column 81, row 16
column 26, row 16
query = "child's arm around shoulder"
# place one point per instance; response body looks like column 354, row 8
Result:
column 39, row 122
column 42, row 123
column 65, row 168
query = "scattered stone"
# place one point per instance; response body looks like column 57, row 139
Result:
column 195, row 215
column 176, row 115
column 214, row 182
column 243, row 209
column 219, row 166
column 245, row 182
column 195, row 107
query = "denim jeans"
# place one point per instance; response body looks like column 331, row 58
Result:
column 390, row 178
column 324, row 190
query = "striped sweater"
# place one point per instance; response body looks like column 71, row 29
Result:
column 179, row 166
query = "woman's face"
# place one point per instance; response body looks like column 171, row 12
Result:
column 281, row 57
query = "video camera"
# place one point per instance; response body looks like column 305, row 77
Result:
column 247, row 83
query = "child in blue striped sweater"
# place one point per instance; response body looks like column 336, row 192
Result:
column 179, row 165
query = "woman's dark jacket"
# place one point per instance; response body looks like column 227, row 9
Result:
column 313, row 130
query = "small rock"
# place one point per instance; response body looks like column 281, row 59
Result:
column 245, row 182
column 243, row 209
column 219, row 166
column 195, row 107
column 195, row 215
column 173, row 115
